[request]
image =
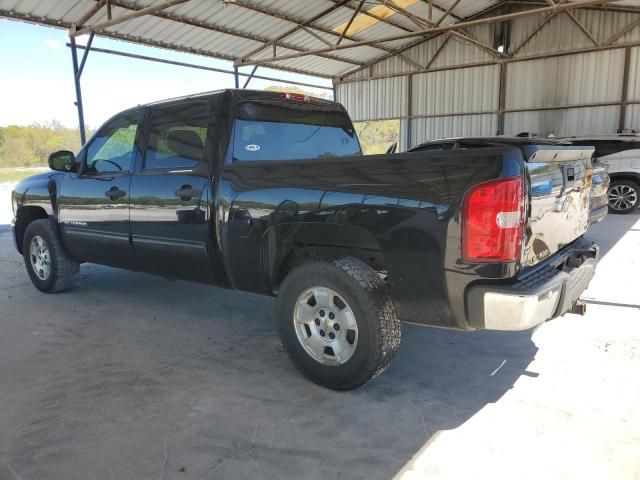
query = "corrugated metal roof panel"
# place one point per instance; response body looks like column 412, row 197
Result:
column 425, row 129
column 573, row 79
column 375, row 99
column 234, row 29
column 458, row 51
column 633, row 92
column 632, row 119
column 565, row 122
column 561, row 31
column 455, row 91
column 230, row 30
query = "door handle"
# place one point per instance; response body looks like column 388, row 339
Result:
column 187, row 192
column 114, row 193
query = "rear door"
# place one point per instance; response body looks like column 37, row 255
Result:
column 169, row 195
column 94, row 203
column 559, row 190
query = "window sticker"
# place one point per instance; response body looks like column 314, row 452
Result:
column 252, row 147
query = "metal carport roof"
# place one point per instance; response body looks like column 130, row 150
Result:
column 325, row 38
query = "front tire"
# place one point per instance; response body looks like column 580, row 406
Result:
column 48, row 265
column 337, row 322
column 623, row 196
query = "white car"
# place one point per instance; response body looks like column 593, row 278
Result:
column 621, row 154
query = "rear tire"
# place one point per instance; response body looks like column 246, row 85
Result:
column 48, row 265
column 623, row 196
column 354, row 309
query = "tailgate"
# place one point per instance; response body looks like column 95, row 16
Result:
column 559, row 183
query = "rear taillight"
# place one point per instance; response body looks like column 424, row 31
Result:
column 492, row 219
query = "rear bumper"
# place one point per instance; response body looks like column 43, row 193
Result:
column 531, row 301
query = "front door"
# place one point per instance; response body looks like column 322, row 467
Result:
column 170, row 195
column 94, row 203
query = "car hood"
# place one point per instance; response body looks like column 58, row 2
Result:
column 36, row 180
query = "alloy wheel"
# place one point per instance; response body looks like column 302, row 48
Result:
column 40, row 257
column 325, row 325
column 622, row 197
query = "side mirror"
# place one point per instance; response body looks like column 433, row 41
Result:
column 62, row 161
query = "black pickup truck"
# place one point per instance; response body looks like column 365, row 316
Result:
column 269, row 193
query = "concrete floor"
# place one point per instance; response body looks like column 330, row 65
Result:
column 136, row 377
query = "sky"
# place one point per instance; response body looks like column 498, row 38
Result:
column 36, row 77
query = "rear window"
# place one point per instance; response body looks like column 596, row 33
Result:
column 277, row 130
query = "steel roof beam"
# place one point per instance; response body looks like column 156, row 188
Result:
column 89, row 15
column 417, row 42
column 199, row 67
column 307, row 28
column 438, row 51
column 316, row 36
column 607, row 8
column 581, row 26
column 622, row 32
column 125, row 18
column 215, row 28
column 463, row 35
column 292, row 30
column 152, row 43
column 447, row 28
column 494, row 62
column 533, row 33
column 378, row 18
column 286, row 18
column 346, row 28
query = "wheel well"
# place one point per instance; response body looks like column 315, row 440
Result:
column 24, row 217
column 625, row 176
column 300, row 254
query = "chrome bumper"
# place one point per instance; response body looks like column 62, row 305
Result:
column 523, row 306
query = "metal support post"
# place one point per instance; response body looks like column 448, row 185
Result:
column 409, row 135
column 625, row 87
column 250, row 76
column 502, row 97
column 76, row 79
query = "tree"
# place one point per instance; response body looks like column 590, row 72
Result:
column 377, row 137
column 30, row 146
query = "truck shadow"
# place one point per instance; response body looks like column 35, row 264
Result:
column 610, row 230
column 203, row 368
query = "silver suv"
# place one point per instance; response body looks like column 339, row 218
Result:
column 621, row 154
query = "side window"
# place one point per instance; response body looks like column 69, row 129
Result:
column 111, row 150
column 177, row 135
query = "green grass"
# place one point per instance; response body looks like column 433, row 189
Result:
column 17, row 174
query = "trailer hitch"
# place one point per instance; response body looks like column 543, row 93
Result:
column 579, row 308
